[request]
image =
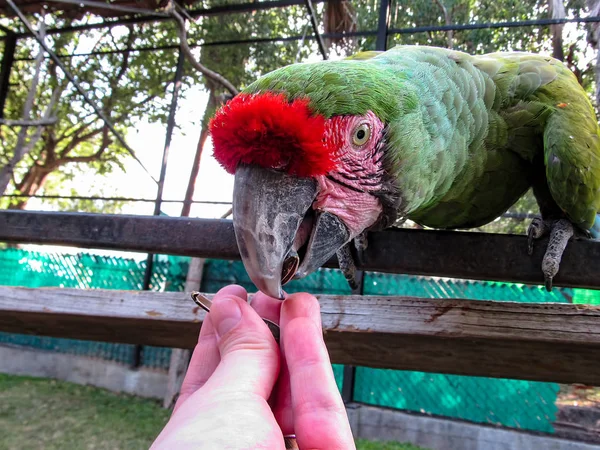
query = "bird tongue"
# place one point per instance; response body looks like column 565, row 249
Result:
column 271, row 225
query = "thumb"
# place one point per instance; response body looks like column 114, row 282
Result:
column 249, row 354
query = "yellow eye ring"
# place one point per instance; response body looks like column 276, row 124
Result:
column 361, row 134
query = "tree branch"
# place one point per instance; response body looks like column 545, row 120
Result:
column 447, row 21
column 54, row 98
column 89, row 158
column 126, row 55
column 76, row 131
column 218, row 78
column 28, row 123
column 78, row 140
column 114, row 82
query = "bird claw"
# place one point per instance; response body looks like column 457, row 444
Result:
column 548, row 283
column 347, row 261
column 361, row 243
column 529, row 241
column 537, row 228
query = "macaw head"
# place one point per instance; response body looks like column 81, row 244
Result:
column 311, row 168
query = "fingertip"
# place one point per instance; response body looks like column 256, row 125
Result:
column 301, row 304
column 235, row 323
column 266, row 307
column 233, row 290
column 225, row 313
column 320, row 419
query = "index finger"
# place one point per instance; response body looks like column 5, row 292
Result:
column 320, row 419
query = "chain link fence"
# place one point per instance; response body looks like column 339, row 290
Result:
column 511, row 403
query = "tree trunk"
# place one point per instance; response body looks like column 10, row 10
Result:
column 33, row 180
column 593, row 39
column 447, row 21
column 180, row 357
column 211, row 105
column 20, row 150
column 557, row 11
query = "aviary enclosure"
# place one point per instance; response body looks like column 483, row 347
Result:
column 418, row 310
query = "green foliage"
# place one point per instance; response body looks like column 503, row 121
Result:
column 127, row 86
column 136, row 85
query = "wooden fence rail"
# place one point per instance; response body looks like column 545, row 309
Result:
column 470, row 255
column 545, row 342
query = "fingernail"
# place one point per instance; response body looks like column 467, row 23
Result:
column 303, row 305
column 225, row 315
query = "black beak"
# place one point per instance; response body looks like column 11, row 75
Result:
column 279, row 236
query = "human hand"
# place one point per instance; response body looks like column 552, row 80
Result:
column 235, row 396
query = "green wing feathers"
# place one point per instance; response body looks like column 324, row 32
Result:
column 572, row 158
column 535, row 105
column 552, row 104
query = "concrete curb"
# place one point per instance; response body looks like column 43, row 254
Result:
column 369, row 422
column 83, row 370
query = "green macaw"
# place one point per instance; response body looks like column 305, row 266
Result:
column 324, row 152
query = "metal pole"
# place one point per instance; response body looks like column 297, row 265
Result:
column 194, row 14
column 315, row 25
column 382, row 27
column 112, row 7
column 137, row 357
column 350, row 371
column 78, row 87
column 8, row 58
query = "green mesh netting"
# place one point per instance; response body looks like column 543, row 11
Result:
column 218, row 274
column 520, row 404
column 512, row 403
column 87, row 271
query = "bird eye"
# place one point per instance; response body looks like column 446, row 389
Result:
column 361, row 134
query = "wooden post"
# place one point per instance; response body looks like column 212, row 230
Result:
column 180, row 357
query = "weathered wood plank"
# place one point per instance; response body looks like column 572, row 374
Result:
column 469, row 255
column 180, row 358
column 546, row 342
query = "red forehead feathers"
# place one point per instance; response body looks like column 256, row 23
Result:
column 268, row 130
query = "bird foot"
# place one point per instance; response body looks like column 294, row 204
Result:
column 537, row 228
column 561, row 231
column 360, row 243
column 347, row 260
column 348, row 266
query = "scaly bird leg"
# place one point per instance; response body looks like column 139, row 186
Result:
column 562, row 231
column 537, row 229
column 347, row 262
column 347, row 265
